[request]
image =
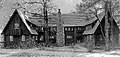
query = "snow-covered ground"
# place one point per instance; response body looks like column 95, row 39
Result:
column 66, row 51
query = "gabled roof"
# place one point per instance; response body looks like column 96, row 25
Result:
column 101, row 17
column 92, row 31
column 68, row 20
column 32, row 31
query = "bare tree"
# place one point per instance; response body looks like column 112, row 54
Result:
column 35, row 6
column 89, row 7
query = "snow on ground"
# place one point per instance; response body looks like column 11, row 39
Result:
column 43, row 53
column 66, row 51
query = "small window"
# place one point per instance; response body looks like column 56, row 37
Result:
column 36, row 38
column 72, row 29
column 78, row 28
column 52, row 37
column 55, row 29
column 23, row 37
column 42, row 28
column 41, row 38
column 11, row 38
column 66, row 29
column 69, row 36
column 16, row 26
column 33, row 36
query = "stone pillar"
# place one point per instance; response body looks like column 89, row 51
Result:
column 60, row 30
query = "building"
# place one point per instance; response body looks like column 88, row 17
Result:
column 22, row 30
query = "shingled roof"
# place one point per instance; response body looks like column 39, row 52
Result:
column 68, row 20
column 92, row 31
column 23, row 17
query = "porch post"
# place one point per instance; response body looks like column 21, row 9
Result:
column 75, row 35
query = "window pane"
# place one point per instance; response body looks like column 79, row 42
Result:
column 41, row 38
column 66, row 29
column 23, row 37
column 11, row 38
column 72, row 29
column 42, row 28
column 69, row 36
column 16, row 26
column 52, row 37
column 36, row 38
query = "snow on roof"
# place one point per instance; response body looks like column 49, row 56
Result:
column 91, row 31
column 28, row 27
column 71, row 19
column 23, row 17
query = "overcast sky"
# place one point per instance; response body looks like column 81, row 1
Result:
column 66, row 6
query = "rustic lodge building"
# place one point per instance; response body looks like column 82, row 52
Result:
column 24, row 31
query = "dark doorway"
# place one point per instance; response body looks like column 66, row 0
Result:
column 80, row 39
column 16, row 39
column 99, row 40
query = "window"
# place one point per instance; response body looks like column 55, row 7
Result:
column 65, row 29
column 78, row 28
column 11, row 38
column 72, row 29
column 68, row 29
column 23, row 37
column 2, row 38
column 55, row 29
column 41, row 38
column 68, row 36
column 36, row 38
column 42, row 28
column 16, row 26
column 51, row 37
column 33, row 36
